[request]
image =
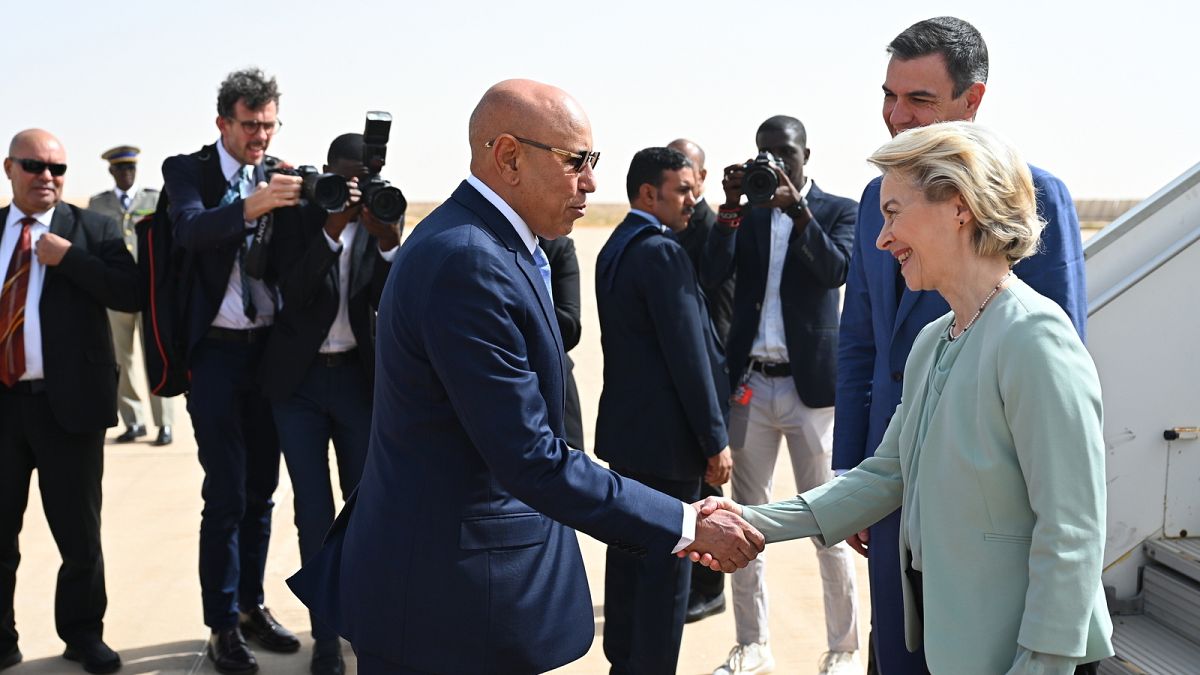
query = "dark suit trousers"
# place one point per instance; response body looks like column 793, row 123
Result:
column 239, row 451
column 69, row 466
column 331, row 403
column 645, row 597
column 887, row 607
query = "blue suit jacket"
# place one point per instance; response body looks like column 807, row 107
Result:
column 455, row 554
column 662, row 411
column 816, row 264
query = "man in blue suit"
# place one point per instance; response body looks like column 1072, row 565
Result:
column 216, row 198
column 456, row 553
column 937, row 72
column 662, row 411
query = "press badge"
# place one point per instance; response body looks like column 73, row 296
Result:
column 743, row 393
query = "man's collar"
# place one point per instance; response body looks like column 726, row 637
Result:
column 518, row 223
column 15, row 214
column 650, row 217
column 806, row 188
column 229, row 166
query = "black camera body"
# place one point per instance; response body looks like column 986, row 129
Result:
column 383, row 200
column 760, row 182
column 327, row 190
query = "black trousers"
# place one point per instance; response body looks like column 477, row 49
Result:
column 70, row 466
column 645, row 597
column 916, row 580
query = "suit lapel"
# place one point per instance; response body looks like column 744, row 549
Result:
column 760, row 222
column 63, row 222
column 362, row 260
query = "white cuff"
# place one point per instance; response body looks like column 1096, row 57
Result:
column 388, row 254
column 335, row 246
column 688, row 529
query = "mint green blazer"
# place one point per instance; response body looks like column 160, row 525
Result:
column 1011, row 488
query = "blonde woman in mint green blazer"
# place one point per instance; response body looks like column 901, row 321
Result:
column 995, row 452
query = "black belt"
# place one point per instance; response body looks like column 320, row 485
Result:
column 771, row 369
column 28, row 387
column 248, row 336
column 337, row 359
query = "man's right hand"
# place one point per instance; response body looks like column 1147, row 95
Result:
column 335, row 223
column 720, row 466
column 281, row 191
column 731, row 182
column 860, row 542
column 730, row 542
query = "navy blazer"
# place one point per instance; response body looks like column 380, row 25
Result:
column 308, row 288
column 816, row 264
column 662, row 410
column 194, row 186
column 870, row 381
column 456, row 553
column 97, row 272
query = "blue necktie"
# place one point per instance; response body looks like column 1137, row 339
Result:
column 539, row 259
column 239, row 186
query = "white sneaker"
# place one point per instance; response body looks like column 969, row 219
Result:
column 840, row 663
column 748, row 659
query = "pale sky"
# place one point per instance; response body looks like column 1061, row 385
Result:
column 1103, row 94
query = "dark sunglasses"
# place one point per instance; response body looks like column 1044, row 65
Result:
column 578, row 159
column 36, row 166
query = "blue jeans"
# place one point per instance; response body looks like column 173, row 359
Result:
column 331, row 403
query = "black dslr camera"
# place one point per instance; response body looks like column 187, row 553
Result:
column 326, row 190
column 383, row 200
column 760, row 182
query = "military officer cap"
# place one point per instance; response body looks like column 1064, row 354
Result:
column 122, row 154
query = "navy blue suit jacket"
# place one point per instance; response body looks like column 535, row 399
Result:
column 456, row 553
column 868, row 377
column 194, row 185
column 662, row 410
column 816, row 264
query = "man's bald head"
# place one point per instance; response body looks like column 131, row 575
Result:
column 695, row 154
column 35, row 192
column 545, row 188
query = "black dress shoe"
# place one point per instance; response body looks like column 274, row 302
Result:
column 259, row 625
column 95, row 656
column 229, row 653
column 702, row 606
column 132, row 433
column 327, row 663
column 164, row 436
column 10, row 658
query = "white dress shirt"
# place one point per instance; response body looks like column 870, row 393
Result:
column 232, row 314
column 37, row 277
column 341, row 335
column 770, row 343
column 688, row 528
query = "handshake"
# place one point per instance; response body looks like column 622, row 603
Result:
column 724, row 542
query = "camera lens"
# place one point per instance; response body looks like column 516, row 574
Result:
column 759, row 184
column 330, row 192
column 386, row 202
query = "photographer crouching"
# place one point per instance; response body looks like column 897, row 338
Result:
column 319, row 364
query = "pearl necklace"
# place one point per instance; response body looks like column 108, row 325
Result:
column 995, row 289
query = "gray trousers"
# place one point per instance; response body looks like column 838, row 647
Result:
column 775, row 412
column 124, row 327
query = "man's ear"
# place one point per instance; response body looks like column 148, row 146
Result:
column 807, row 154
column 647, row 194
column 974, row 94
column 222, row 123
column 506, row 153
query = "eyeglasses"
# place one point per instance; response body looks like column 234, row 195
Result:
column 251, row 127
column 585, row 157
column 36, row 166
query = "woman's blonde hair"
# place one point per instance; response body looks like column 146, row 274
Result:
column 964, row 158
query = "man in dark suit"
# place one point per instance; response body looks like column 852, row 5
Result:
column 217, row 197
column 127, row 204
column 662, row 410
column 707, row 595
column 790, row 253
column 455, row 554
column 937, row 72
column 319, row 365
column 564, row 287
column 58, row 386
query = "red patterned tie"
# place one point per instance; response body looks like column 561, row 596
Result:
column 12, row 308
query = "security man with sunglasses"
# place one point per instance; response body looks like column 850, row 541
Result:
column 63, row 266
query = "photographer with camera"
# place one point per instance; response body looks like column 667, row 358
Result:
column 319, row 365
column 790, row 249
column 219, row 198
